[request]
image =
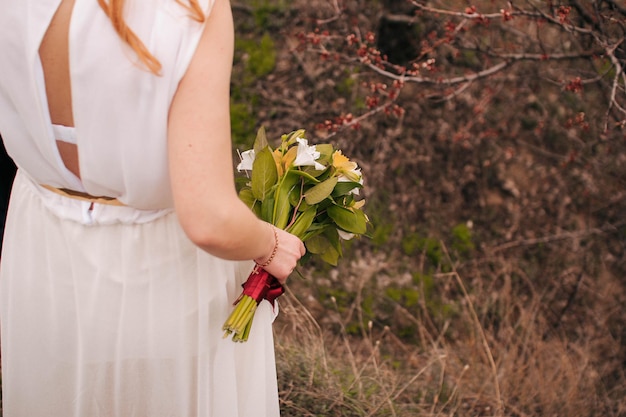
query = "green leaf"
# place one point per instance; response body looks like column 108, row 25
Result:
column 242, row 182
column 320, row 245
column 282, row 213
column 306, row 175
column 247, row 197
column 317, row 244
column 314, row 229
column 326, row 153
column 321, row 191
column 303, row 222
column 331, row 256
column 264, row 173
column 267, row 209
column 260, row 142
column 294, row 200
column 353, row 221
column 282, row 206
column 344, row 188
column 333, row 236
column 313, row 172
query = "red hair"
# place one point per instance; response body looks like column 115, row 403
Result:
column 115, row 10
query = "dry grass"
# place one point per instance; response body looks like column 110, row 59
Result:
column 523, row 367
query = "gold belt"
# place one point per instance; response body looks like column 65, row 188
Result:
column 77, row 195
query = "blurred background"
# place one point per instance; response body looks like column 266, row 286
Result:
column 491, row 137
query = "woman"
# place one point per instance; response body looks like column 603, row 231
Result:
column 125, row 242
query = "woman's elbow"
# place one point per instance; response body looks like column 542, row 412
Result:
column 209, row 231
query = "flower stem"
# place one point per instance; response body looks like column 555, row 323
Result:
column 295, row 210
column 246, row 305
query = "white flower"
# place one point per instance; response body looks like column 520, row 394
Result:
column 345, row 235
column 247, row 159
column 307, row 155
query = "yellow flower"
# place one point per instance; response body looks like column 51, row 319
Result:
column 284, row 162
column 358, row 204
column 345, row 168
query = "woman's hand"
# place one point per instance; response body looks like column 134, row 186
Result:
column 283, row 256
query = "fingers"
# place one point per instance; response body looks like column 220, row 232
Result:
column 290, row 250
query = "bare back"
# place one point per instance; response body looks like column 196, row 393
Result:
column 54, row 54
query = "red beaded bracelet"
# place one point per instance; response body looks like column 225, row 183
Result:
column 271, row 258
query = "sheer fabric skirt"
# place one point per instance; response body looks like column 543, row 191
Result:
column 112, row 311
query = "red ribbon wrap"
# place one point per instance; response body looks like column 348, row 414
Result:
column 261, row 285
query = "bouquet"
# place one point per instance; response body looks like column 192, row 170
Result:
column 309, row 191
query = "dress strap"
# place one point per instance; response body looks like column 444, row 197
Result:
column 64, row 133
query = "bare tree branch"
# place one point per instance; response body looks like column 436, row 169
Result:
column 491, row 16
column 442, row 81
column 578, row 234
column 333, row 18
column 619, row 72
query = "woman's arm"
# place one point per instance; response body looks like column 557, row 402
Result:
column 201, row 165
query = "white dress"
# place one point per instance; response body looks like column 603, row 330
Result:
column 110, row 310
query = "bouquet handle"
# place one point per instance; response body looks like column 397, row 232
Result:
column 260, row 285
